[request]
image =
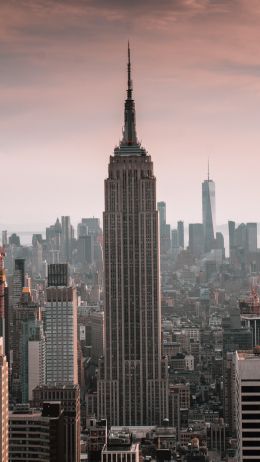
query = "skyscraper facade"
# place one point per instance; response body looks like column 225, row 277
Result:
column 208, row 214
column 247, row 403
column 61, row 327
column 3, row 404
column 132, row 385
column 180, row 228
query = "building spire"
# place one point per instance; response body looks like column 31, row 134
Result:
column 129, row 82
column 129, row 132
column 208, row 168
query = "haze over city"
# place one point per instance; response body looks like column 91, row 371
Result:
column 196, row 85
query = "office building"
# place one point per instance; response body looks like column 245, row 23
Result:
column 161, row 206
column 34, row 360
column 2, row 298
column 229, row 393
column 60, row 317
column 231, row 234
column 251, row 237
column 165, row 229
column 53, row 241
column 180, row 229
column 15, row 293
column 4, row 238
column 208, row 214
column 247, row 404
column 69, row 397
column 37, row 435
column 3, row 404
column 196, row 239
column 26, row 315
column 66, row 239
column 132, row 383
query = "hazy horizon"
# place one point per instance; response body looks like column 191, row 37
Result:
column 196, row 70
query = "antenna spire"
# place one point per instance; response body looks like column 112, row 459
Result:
column 129, row 131
column 129, row 82
column 208, row 168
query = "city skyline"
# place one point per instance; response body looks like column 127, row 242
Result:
column 196, row 70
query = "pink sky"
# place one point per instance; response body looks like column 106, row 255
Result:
column 196, row 72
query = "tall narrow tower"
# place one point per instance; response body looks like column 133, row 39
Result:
column 132, row 385
column 209, row 213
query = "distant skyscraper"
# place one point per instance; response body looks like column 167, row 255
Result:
column 180, row 229
column 165, row 229
column 196, row 239
column 231, row 235
column 17, row 284
column 208, row 213
column 53, row 240
column 251, row 231
column 162, row 214
column 132, row 385
column 4, row 238
column 3, row 404
column 61, row 328
column 66, row 239
column 26, row 316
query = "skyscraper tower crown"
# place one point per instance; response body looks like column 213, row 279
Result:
column 129, row 145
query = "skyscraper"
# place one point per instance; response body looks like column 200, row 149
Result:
column 66, row 239
column 61, row 328
column 3, row 404
column 180, row 228
column 132, row 385
column 247, row 404
column 196, row 239
column 208, row 213
column 2, row 297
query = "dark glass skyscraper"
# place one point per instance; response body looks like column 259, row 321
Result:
column 132, row 385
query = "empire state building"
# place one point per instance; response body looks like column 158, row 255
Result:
column 132, row 382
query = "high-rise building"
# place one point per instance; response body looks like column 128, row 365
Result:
column 196, row 239
column 165, row 229
column 26, row 316
column 162, row 215
column 3, row 404
column 247, row 404
column 53, row 241
column 4, row 238
column 180, row 229
column 251, row 234
column 69, row 397
column 231, row 234
column 208, row 213
column 61, row 327
column 2, row 297
column 132, row 384
column 66, row 239
column 37, row 434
